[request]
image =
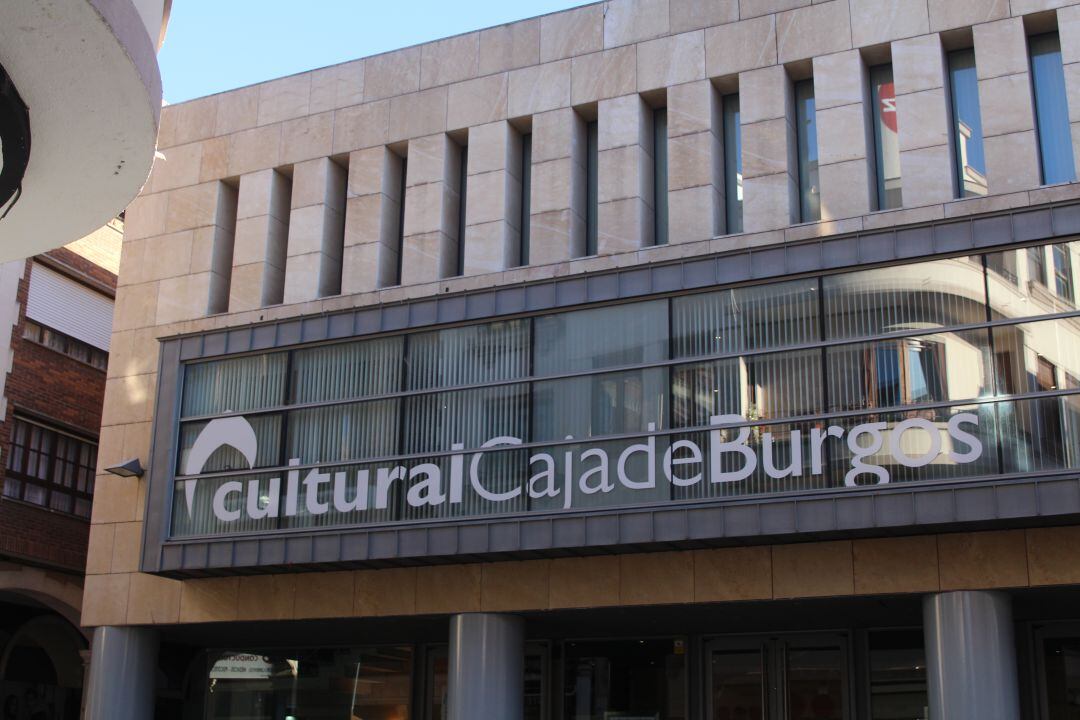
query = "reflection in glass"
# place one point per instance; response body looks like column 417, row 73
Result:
column 1040, row 434
column 886, row 140
column 234, row 385
column 594, row 405
column 1047, row 284
column 897, row 675
column 1038, row 356
column 756, row 387
column 1051, row 110
column 347, row 370
column 967, row 124
column 625, row 679
column 904, row 298
column 909, row 371
column 806, row 138
column 733, row 180
column 372, row 683
column 604, row 337
column 759, row 317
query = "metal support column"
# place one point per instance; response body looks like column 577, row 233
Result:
column 487, row 667
column 123, row 674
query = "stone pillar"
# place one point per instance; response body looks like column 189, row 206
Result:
column 431, row 210
column 1069, row 32
column 486, row 677
column 372, row 221
column 493, row 199
column 1006, row 106
column 625, row 175
column 770, row 164
column 927, row 174
column 262, row 231
column 844, row 135
column 316, row 231
column 123, row 674
column 695, row 162
column 970, row 656
column 559, row 187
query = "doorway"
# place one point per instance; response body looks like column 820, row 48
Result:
column 796, row 677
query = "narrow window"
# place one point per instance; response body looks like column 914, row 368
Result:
column 401, row 221
column 886, row 143
column 1063, row 276
column 224, row 241
column 463, row 180
column 660, row 178
column 1051, row 110
column 591, row 198
column 732, row 164
column 966, row 125
column 1036, row 264
column 526, row 198
column 806, row 139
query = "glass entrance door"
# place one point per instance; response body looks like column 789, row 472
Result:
column 778, row 678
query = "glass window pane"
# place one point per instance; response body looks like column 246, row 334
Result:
column 733, row 185
column 34, row 494
column 754, row 388
column 468, row 355
column 967, row 124
column 1061, row 663
column 737, row 685
column 806, row 136
column 1051, row 110
column 747, row 318
column 897, row 675
column 347, row 370
column 904, row 298
column 815, row 683
column 234, row 385
column 886, row 140
column 1047, row 286
column 625, row 679
column 435, row 422
column 344, row 432
column 604, row 337
column 12, row 487
column 1021, row 350
column 267, row 431
column 609, row 404
column 660, row 177
column 905, row 371
column 1040, row 434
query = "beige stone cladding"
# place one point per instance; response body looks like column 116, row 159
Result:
column 242, row 204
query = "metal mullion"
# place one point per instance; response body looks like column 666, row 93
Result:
column 666, row 432
column 827, row 343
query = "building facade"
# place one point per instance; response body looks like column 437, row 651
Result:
column 56, row 317
column 652, row 359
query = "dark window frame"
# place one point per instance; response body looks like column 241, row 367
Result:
column 19, row 458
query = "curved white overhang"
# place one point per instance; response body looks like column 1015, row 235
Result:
column 87, row 70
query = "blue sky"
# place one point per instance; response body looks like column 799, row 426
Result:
column 215, row 45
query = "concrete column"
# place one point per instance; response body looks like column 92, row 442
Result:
column 431, row 210
column 372, row 221
column 493, row 200
column 123, row 674
column 770, row 164
column 625, row 175
column 316, row 231
column 970, row 656
column 1069, row 32
column 559, row 187
column 695, row 162
column 262, row 231
column 486, row 676
column 927, row 174
column 1006, row 106
column 844, row 135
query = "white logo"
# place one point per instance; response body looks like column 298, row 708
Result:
column 560, row 475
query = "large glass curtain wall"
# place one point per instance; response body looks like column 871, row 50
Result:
column 956, row 368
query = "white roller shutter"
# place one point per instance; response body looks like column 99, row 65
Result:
column 69, row 307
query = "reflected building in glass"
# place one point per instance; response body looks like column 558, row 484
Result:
column 614, row 371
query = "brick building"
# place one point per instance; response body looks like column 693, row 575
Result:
column 51, row 398
column 652, row 359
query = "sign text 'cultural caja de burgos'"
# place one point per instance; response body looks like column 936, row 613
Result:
column 727, row 457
